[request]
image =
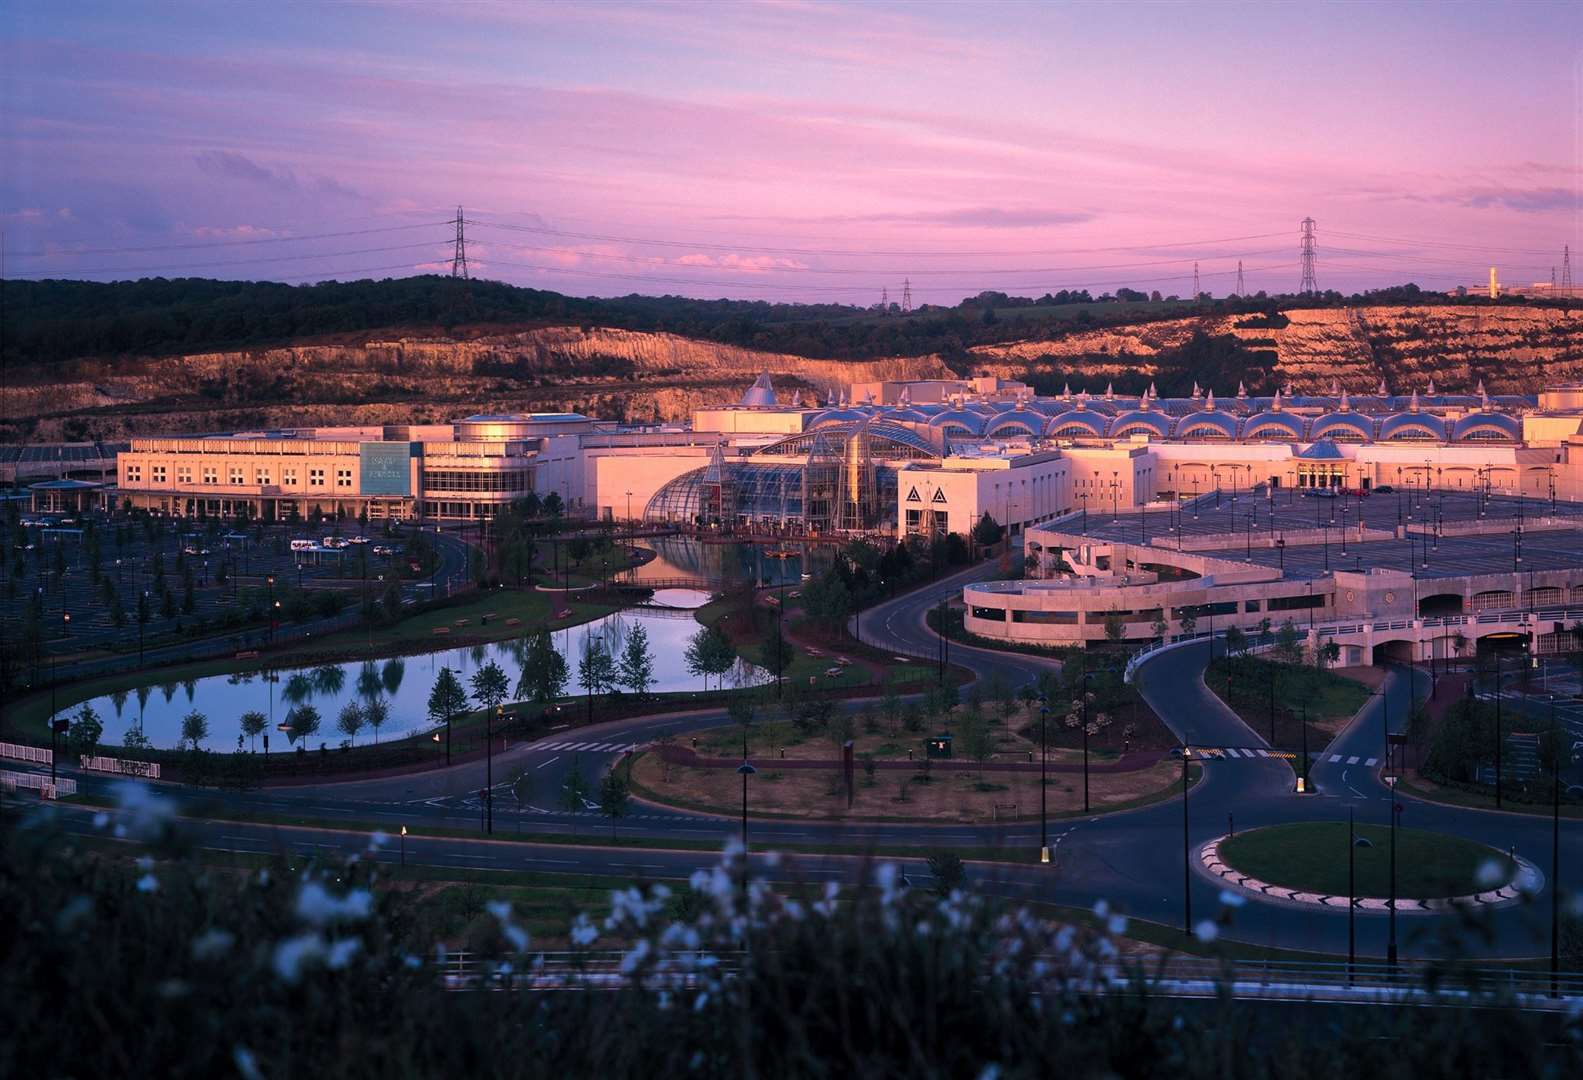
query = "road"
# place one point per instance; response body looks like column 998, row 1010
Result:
column 1132, row 859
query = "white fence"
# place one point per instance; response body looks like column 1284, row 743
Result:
column 36, row 755
column 148, row 770
column 12, row 781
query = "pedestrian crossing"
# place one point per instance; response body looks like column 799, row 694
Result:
column 1368, row 763
column 585, row 747
column 1235, row 753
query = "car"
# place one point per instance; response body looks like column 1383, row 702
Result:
column 384, row 549
column 1384, row 489
column 357, row 540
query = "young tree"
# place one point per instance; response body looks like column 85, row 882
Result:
column 447, row 699
column 1236, row 641
column 613, row 798
column 776, row 654
column 376, row 712
column 544, row 672
column 596, row 671
column 252, row 724
column 987, row 531
column 977, row 738
column 1188, row 621
column 636, row 668
column 1160, row 628
column 709, row 652
column 742, row 713
column 1289, row 643
column 350, row 720
column 194, row 728
column 82, row 737
column 490, row 686
column 948, row 872
column 890, row 707
column 574, row 791
column 1115, row 629
column 301, row 722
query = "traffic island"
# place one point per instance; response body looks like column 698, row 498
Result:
column 1313, row 863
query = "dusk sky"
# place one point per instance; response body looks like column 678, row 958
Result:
column 793, row 150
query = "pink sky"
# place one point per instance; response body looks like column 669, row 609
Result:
column 794, row 150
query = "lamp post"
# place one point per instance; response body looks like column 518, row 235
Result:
column 1555, row 853
column 1354, row 841
column 1306, row 785
column 489, row 770
column 1044, row 744
column 1497, row 731
column 403, row 845
column 1086, row 676
column 1396, row 810
column 745, row 770
column 271, row 612
column 1187, row 868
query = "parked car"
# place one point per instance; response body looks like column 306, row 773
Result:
column 357, row 540
column 384, row 549
column 1384, row 489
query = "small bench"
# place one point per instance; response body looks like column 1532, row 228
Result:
column 513, row 621
column 461, row 622
column 442, row 629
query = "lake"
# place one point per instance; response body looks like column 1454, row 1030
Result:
column 402, row 682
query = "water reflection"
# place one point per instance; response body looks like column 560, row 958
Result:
column 724, row 564
column 328, row 688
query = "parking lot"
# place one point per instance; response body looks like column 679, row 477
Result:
column 199, row 578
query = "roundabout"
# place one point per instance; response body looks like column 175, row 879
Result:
column 1316, row 863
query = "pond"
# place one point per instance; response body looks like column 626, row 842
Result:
column 403, row 683
column 723, row 563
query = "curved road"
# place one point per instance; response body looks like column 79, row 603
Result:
column 1132, row 859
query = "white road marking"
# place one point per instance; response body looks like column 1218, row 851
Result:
column 550, row 762
column 1352, row 760
column 1334, row 758
column 1372, row 762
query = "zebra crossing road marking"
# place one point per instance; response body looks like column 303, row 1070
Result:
column 589, row 747
column 1334, row 758
column 1371, row 762
column 1353, row 760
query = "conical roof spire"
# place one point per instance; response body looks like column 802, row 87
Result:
column 1209, row 402
column 1196, row 391
column 1431, row 390
column 1412, row 404
column 1153, row 393
column 1335, row 386
column 1345, row 406
column 1275, row 402
column 1110, row 391
column 1383, row 391
column 1242, row 391
column 1066, row 391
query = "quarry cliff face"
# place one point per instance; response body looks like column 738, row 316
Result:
column 639, row 376
column 604, row 372
column 1513, row 350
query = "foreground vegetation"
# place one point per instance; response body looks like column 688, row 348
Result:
column 172, row 967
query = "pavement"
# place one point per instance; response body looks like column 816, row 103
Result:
column 1142, row 862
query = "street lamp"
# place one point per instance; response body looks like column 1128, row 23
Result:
column 489, row 770
column 1354, row 841
column 1396, row 812
column 1044, row 826
column 1555, row 852
column 272, row 607
column 745, row 770
column 403, row 845
column 1187, row 868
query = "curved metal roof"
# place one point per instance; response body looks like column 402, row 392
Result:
column 1342, row 425
column 1087, row 419
column 1029, row 423
column 1273, row 425
column 971, row 422
column 1487, row 425
column 1151, row 420
column 1207, row 423
column 1408, row 426
column 835, row 416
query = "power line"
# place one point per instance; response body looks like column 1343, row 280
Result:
column 219, row 243
column 770, row 250
column 167, row 271
column 1441, row 243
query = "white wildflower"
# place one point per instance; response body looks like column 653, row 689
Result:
column 212, row 944
column 246, row 1063
column 316, row 905
column 377, row 840
column 583, row 932
column 1206, row 931
column 499, row 909
column 145, row 863
column 700, row 1001
column 1117, row 925
column 341, row 953
column 411, row 963
column 1231, row 899
column 101, row 819
column 516, row 935
column 77, row 909
column 1490, row 874
column 148, row 883
column 1101, row 909
column 635, row 957
column 292, row 953
column 147, row 814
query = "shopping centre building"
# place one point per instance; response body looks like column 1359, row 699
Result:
column 890, row 458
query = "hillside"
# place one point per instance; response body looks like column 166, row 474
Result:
column 628, row 374
column 1512, row 349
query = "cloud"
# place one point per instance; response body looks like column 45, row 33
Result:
column 1524, row 200
column 752, row 263
column 979, row 217
column 230, row 165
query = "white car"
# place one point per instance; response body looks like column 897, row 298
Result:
column 358, row 540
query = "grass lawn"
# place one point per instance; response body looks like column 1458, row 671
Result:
column 1331, row 699
column 1424, row 788
column 551, row 568
column 1312, row 857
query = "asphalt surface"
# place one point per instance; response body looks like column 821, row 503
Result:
column 1132, row 859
